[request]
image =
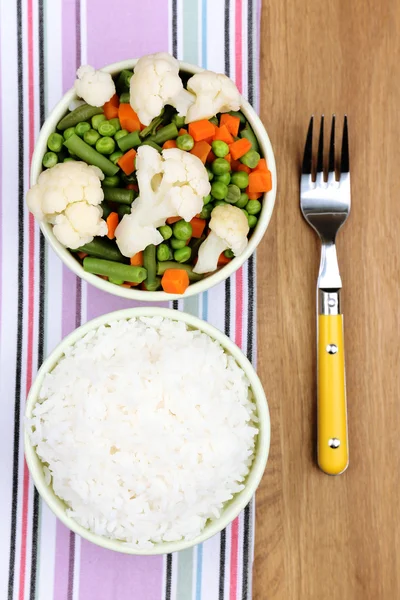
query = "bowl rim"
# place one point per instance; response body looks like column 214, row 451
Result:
column 194, row 288
column 240, row 500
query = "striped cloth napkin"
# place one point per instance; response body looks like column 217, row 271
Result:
column 41, row 44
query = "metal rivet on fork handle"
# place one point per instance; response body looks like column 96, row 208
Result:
column 334, row 443
column 331, row 348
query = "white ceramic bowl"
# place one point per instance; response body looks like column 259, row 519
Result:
column 134, row 294
column 239, row 501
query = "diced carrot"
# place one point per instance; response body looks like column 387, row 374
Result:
column 261, row 166
column 201, row 130
column 188, row 241
column 222, row 133
column 129, row 284
column 223, row 260
column 82, row 255
column 242, row 167
column 182, row 131
column 128, row 118
column 112, row 223
column 172, row 220
column 235, row 165
column 197, row 227
column 211, row 156
column 231, row 122
column 253, row 195
column 228, row 157
column 137, row 259
column 175, row 281
column 260, row 181
column 239, row 148
column 132, row 186
column 103, row 277
column 169, row 144
column 201, row 150
column 127, row 162
column 110, row 108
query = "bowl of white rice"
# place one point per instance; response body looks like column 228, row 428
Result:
column 147, row 431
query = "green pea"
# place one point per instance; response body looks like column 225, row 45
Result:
column 105, row 145
column 68, row 132
column 120, row 134
column 49, row 160
column 206, row 211
column 166, row 231
column 111, row 181
column 220, row 166
column 115, row 156
column 177, row 244
column 163, row 252
column 220, row 148
column 241, row 179
column 228, row 253
column 252, row 220
column 69, row 159
column 179, row 121
column 250, row 159
column 207, row 199
column 233, row 194
column 182, row 230
column 115, row 122
column 243, row 200
column 183, row 254
column 253, row 207
column 81, row 128
column 91, row 136
column 225, row 178
column 185, row 142
column 220, row 203
column 210, row 174
column 97, row 119
column 219, row 190
column 55, row 142
column 246, row 214
column 107, row 129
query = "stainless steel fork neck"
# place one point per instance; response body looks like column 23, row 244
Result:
column 328, row 302
column 329, row 281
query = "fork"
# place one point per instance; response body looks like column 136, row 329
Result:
column 325, row 205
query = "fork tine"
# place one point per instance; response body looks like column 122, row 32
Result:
column 320, row 156
column 345, row 161
column 331, row 167
column 307, row 159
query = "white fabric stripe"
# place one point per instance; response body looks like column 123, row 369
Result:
column 244, row 50
column 179, row 28
column 77, row 567
column 210, row 573
column 215, row 33
column 84, row 32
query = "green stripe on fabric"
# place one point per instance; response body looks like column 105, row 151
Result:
column 190, row 31
column 184, row 583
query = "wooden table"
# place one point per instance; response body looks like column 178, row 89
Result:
column 321, row 537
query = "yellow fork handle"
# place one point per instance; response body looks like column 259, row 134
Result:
column 333, row 455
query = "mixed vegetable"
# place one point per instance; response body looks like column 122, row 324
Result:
column 149, row 182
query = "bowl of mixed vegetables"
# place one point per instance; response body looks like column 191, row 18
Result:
column 153, row 179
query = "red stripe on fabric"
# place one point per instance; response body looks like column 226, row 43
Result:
column 238, row 45
column 234, row 559
column 31, row 289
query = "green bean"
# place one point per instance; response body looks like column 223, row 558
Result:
column 150, row 264
column 182, row 230
column 150, row 129
column 124, row 79
column 120, row 134
column 96, row 120
column 105, row 145
column 115, row 156
column 252, row 220
column 214, row 121
column 124, row 209
column 126, row 142
column 106, row 210
column 178, row 121
column 163, row 266
column 185, row 142
column 115, row 281
column 241, row 179
column 49, row 160
column 177, row 244
column 183, row 254
column 82, row 113
column 243, row 200
column 169, row 132
column 68, row 132
column 81, row 128
column 220, row 148
column 164, row 252
column 103, row 248
column 152, row 144
column 219, row 190
column 219, row 166
column 224, row 178
column 113, row 181
column 154, row 286
column 250, row 159
column 229, row 254
column 239, row 114
column 233, row 194
column 90, row 155
column 166, row 231
column 116, row 270
column 91, row 136
column 253, row 207
column 125, row 98
column 55, row 142
column 120, row 195
column 195, row 245
column 249, row 134
column 107, row 129
column 116, row 123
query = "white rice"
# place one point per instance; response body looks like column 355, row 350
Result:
column 145, row 429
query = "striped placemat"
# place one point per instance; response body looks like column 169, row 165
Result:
column 41, row 44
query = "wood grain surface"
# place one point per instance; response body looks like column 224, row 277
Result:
column 321, row 537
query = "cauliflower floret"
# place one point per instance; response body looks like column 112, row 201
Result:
column 170, row 185
column 155, row 83
column 95, row 87
column 68, row 196
column 214, row 92
column 229, row 229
